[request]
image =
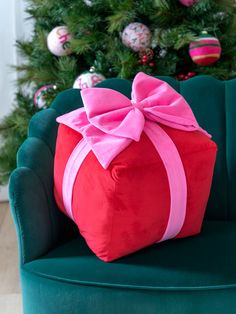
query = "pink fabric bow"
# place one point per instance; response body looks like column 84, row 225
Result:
column 109, row 121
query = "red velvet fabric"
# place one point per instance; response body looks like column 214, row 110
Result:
column 126, row 207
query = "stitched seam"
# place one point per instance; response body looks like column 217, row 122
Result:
column 46, row 195
column 154, row 163
column 14, row 205
column 226, row 154
column 53, row 235
column 131, row 287
column 40, row 138
column 15, row 208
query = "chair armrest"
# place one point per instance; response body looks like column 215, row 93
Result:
column 39, row 223
column 30, row 212
column 39, row 226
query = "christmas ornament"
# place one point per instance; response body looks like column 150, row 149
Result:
column 205, row 50
column 220, row 16
column 188, row 3
column 146, row 55
column 162, row 53
column 136, row 36
column 88, row 79
column 58, row 41
column 39, row 96
column 183, row 77
column 89, row 3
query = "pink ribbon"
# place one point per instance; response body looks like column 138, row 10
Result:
column 110, row 121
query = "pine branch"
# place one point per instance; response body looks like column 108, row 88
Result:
column 96, row 32
column 120, row 19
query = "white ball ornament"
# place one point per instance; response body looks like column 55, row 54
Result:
column 89, row 3
column 88, row 79
column 136, row 36
column 58, row 41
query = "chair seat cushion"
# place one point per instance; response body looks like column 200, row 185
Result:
column 206, row 261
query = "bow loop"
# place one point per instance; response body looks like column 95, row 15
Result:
column 112, row 113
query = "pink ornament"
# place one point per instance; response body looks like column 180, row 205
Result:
column 59, row 41
column 88, row 79
column 136, row 36
column 206, row 50
column 188, row 3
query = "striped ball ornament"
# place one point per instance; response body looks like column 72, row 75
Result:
column 206, row 50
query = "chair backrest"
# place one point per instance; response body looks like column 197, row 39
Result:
column 214, row 105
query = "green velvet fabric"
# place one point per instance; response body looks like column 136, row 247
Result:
column 46, row 296
column 191, row 263
column 206, row 97
column 59, row 274
column 230, row 114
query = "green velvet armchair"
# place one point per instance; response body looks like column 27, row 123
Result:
column 59, row 274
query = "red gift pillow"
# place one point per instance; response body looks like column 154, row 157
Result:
column 131, row 173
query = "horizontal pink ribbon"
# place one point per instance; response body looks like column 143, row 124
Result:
column 110, row 121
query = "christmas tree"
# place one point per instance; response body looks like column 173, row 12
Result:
column 110, row 38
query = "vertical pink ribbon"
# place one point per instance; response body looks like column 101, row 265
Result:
column 73, row 165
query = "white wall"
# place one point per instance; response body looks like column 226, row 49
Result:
column 12, row 26
column 8, row 55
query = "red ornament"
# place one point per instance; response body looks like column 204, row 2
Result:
column 146, row 55
column 183, row 77
column 147, row 52
column 191, row 74
column 180, row 77
column 151, row 64
column 144, row 59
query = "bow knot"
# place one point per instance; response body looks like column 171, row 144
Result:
column 109, row 120
column 137, row 105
